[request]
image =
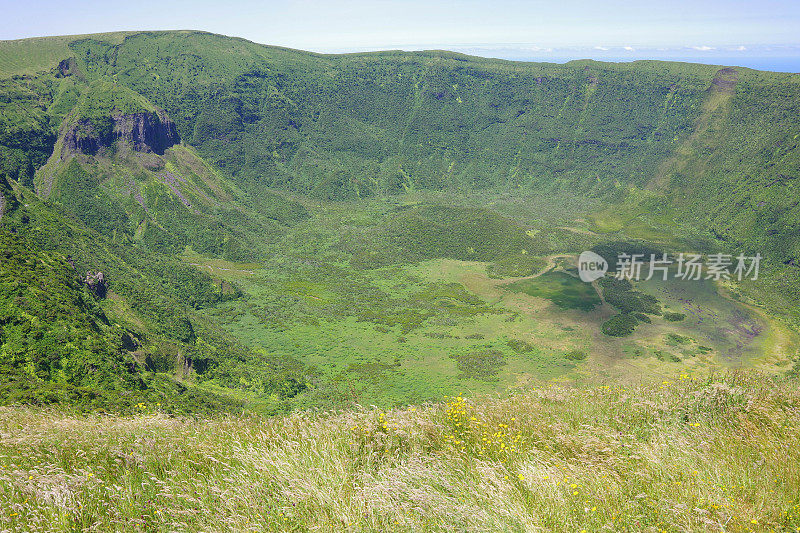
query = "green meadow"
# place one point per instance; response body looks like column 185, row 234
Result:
column 381, row 321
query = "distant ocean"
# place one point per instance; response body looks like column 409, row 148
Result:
column 776, row 64
column 785, row 58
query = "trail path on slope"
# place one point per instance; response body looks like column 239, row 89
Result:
column 720, row 92
column 551, row 264
column 581, row 231
column 482, row 284
column 213, row 268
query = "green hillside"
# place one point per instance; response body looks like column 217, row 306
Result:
column 343, row 127
column 284, row 229
column 139, row 339
column 23, row 57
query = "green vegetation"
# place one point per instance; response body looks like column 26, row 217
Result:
column 672, row 455
column 576, row 355
column 621, row 294
column 674, row 317
column 140, row 340
column 619, row 325
column 319, row 231
column 483, row 364
column 343, row 127
column 295, row 234
column 564, row 290
column 520, row 346
column 58, row 345
column 633, row 305
column 662, row 355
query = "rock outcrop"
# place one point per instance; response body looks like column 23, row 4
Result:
column 67, row 67
column 143, row 132
column 725, row 80
column 96, row 282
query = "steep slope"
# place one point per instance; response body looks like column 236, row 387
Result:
column 58, row 345
column 147, row 145
column 74, row 300
column 106, row 114
column 341, row 127
column 344, row 126
column 118, row 165
column 740, row 168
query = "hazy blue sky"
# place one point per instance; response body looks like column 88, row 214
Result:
column 766, row 32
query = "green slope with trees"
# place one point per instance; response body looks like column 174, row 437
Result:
column 123, row 151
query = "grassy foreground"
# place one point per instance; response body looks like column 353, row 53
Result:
column 716, row 453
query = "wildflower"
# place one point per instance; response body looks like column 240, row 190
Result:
column 521, row 477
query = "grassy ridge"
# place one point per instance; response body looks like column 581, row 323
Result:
column 348, row 126
column 26, row 57
column 704, row 454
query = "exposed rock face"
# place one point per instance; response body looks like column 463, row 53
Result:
column 725, row 80
column 96, row 283
column 67, row 67
column 143, row 132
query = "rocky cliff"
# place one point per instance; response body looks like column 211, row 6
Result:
column 143, row 132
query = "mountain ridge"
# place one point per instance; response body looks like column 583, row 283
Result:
column 160, row 145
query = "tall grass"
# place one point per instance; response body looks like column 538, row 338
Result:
column 712, row 454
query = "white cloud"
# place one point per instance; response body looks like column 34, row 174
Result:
column 741, row 48
column 704, row 48
column 603, row 48
column 629, row 48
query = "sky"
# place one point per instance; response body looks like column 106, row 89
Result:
column 761, row 34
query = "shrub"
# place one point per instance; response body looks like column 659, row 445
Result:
column 619, row 325
column 576, row 355
column 482, row 364
column 520, row 346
